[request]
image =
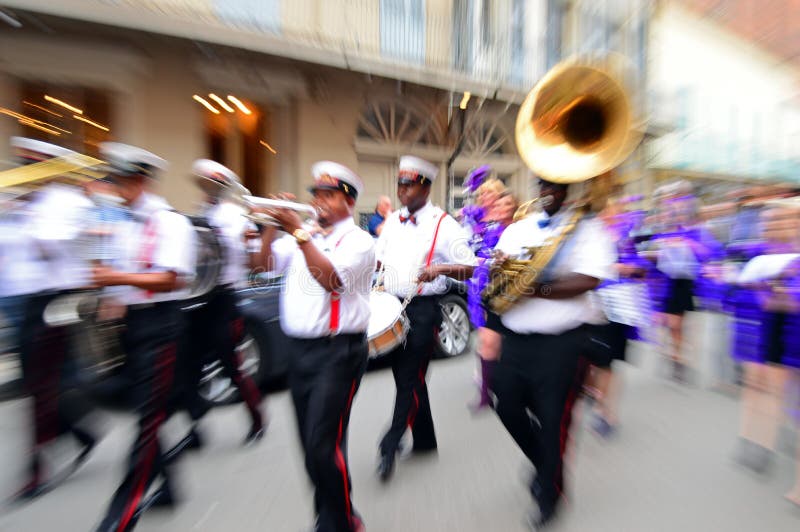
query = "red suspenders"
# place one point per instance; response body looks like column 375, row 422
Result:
column 433, row 247
column 149, row 241
column 335, row 298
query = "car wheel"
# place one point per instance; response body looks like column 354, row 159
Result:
column 217, row 388
column 453, row 337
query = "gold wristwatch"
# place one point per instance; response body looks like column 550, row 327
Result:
column 302, row 236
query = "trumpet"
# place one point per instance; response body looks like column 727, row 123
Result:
column 241, row 195
column 259, row 218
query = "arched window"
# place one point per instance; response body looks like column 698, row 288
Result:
column 398, row 123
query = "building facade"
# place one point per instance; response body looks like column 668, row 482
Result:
column 725, row 107
column 361, row 82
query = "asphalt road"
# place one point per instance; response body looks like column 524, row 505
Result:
column 669, row 468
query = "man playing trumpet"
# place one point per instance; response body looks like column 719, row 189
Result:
column 325, row 312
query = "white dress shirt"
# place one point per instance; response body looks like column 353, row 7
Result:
column 229, row 223
column 305, row 306
column 57, row 220
column 21, row 269
column 158, row 239
column 403, row 249
column 589, row 250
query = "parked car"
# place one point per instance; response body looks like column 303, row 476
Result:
column 265, row 349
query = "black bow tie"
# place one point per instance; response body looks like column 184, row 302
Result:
column 412, row 219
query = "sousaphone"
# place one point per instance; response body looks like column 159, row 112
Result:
column 579, row 122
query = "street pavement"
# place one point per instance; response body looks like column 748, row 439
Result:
column 669, row 468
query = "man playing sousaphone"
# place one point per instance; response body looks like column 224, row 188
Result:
column 419, row 247
column 546, row 335
column 575, row 125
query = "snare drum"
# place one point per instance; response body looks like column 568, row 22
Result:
column 388, row 324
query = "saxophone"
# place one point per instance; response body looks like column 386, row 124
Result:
column 512, row 279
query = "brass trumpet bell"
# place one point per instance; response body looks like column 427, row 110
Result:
column 577, row 123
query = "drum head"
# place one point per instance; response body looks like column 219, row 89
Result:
column 384, row 311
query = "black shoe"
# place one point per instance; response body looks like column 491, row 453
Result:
column 34, row 488
column 162, row 499
column 424, row 449
column 192, row 441
column 88, row 446
column 256, row 432
column 541, row 519
column 386, row 466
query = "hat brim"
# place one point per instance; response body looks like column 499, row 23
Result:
column 314, row 188
column 352, row 194
column 203, row 179
column 421, row 180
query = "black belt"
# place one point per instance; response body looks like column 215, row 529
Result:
column 343, row 336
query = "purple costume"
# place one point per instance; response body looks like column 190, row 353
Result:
column 485, row 235
column 621, row 229
column 766, row 336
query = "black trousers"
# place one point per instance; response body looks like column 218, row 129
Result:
column 324, row 375
column 49, row 376
column 216, row 328
column 150, row 341
column 536, row 382
column 412, row 406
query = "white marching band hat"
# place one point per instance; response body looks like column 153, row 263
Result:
column 34, row 151
column 413, row 169
column 335, row 176
column 216, row 172
column 127, row 160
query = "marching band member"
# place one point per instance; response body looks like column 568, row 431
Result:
column 767, row 340
column 217, row 324
column 538, row 376
column 487, row 219
column 52, row 267
column 155, row 253
column 624, row 303
column 325, row 312
column 419, row 247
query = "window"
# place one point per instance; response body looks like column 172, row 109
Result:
column 234, row 140
column 263, row 15
column 486, row 24
column 81, row 131
column 462, row 35
column 403, row 29
column 555, row 20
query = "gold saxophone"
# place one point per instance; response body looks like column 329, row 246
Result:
column 576, row 124
column 511, row 279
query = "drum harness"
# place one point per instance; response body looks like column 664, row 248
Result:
column 415, row 289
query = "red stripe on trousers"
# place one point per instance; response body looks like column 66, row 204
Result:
column 412, row 416
column 144, row 474
column 566, row 419
column 341, row 464
column 242, row 381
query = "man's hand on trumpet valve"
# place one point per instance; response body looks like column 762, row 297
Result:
column 288, row 219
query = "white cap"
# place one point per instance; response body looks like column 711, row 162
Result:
column 421, row 167
column 335, row 176
column 33, row 151
column 213, row 171
column 124, row 159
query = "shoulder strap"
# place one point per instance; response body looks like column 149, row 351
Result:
column 336, row 297
column 429, row 258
